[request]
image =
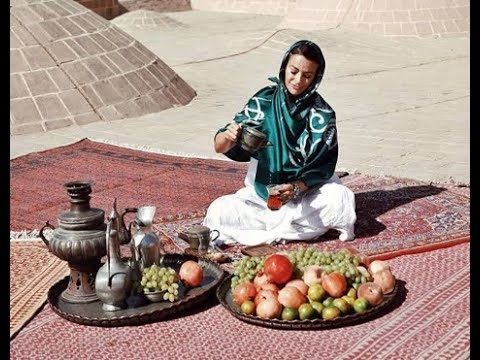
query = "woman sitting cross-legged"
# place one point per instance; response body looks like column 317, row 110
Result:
column 300, row 158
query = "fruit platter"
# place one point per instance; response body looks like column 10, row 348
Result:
column 308, row 289
column 178, row 283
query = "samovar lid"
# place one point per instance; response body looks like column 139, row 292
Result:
column 80, row 216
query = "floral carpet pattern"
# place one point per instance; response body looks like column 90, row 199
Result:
column 393, row 215
column 430, row 321
column 397, row 218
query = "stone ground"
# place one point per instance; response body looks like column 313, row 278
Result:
column 402, row 104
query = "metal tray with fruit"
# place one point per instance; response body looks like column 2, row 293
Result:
column 224, row 295
column 309, row 289
column 140, row 309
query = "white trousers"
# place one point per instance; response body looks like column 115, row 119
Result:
column 243, row 217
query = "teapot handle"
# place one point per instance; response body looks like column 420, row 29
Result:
column 129, row 210
column 43, row 236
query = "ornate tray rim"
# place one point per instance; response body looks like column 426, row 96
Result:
column 223, row 291
column 168, row 310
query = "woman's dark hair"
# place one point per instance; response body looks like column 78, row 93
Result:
column 310, row 53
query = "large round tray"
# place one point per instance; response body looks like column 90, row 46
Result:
column 93, row 315
column 224, row 295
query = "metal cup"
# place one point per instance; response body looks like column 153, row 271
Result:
column 200, row 237
column 253, row 140
column 204, row 240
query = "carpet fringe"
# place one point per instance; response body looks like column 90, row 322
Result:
column 29, row 235
column 155, row 150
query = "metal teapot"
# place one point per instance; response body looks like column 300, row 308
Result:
column 124, row 235
column 145, row 245
column 253, row 140
column 113, row 281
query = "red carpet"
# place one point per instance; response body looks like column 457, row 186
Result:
column 430, row 321
column 173, row 184
column 395, row 216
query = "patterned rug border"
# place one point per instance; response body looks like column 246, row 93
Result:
column 26, row 301
column 150, row 150
column 143, row 148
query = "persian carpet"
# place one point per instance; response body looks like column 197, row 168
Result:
column 33, row 269
column 394, row 216
column 175, row 185
column 431, row 320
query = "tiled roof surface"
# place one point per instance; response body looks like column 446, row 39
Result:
column 419, row 18
column 69, row 65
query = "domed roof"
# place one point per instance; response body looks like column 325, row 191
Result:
column 146, row 20
column 420, row 18
column 69, row 65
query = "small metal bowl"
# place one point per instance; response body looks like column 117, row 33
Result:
column 155, row 296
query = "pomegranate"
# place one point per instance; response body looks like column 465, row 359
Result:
column 372, row 292
column 385, row 279
column 312, row 275
column 243, row 292
column 299, row 284
column 191, row 273
column 377, row 266
column 334, row 284
column 269, row 309
column 270, row 286
column 278, row 268
column 260, row 279
column 290, row 296
column 263, row 295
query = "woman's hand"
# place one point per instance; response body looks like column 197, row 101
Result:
column 287, row 191
column 227, row 139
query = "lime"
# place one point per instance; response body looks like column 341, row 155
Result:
column 360, row 305
column 328, row 301
column 352, row 293
column 349, row 299
column 306, row 311
column 318, row 306
column 248, row 307
column 342, row 305
column 316, row 292
column 289, row 313
column 330, row 312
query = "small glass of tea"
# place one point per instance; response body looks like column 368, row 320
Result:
column 274, row 202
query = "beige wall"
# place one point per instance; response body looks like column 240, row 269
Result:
column 267, row 7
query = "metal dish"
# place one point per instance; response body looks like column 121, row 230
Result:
column 139, row 310
column 224, row 295
column 155, row 296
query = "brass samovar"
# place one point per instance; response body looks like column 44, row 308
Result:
column 80, row 240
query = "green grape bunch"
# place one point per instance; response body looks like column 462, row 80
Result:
column 246, row 269
column 341, row 261
column 156, row 278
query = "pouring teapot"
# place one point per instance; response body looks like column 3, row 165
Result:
column 113, row 280
column 253, row 140
column 124, row 234
column 145, row 245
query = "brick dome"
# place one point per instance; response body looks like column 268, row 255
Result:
column 69, row 65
